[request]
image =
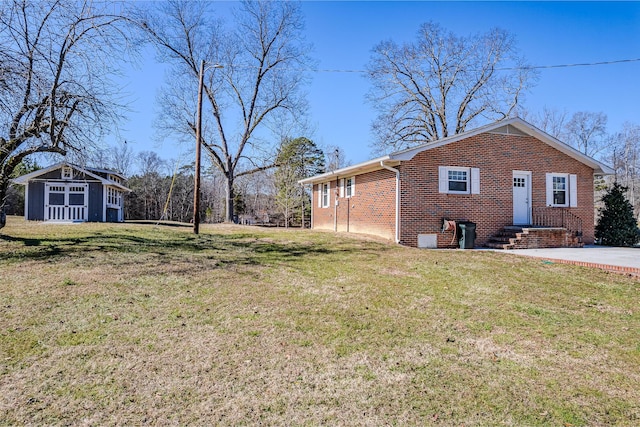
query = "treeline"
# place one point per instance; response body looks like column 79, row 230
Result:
column 158, row 196
column 271, row 197
column 588, row 132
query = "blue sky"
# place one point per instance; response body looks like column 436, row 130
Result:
column 343, row 34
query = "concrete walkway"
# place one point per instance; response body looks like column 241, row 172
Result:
column 623, row 260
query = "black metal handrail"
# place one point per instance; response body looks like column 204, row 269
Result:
column 557, row 217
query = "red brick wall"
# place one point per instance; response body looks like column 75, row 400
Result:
column 371, row 210
column 497, row 156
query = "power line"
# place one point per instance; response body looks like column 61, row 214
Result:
column 532, row 67
column 584, row 64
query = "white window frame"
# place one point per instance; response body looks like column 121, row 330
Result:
column 324, row 196
column 350, row 187
column 114, row 198
column 571, row 190
column 67, row 172
column 473, row 179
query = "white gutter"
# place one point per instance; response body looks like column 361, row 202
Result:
column 397, row 172
column 357, row 169
column 335, row 214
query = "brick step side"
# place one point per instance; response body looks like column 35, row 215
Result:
column 513, row 237
column 496, row 245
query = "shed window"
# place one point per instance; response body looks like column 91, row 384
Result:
column 114, row 197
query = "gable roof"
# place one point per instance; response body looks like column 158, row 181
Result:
column 513, row 126
column 107, row 171
column 32, row 175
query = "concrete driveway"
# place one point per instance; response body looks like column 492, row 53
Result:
column 624, row 260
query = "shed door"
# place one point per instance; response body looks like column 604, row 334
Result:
column 66, row 202
column 521, row 198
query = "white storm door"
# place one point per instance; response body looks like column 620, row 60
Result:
column 521, row 198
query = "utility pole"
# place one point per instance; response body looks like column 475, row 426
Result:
column 196, row 184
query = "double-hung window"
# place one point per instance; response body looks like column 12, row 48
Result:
column 350, row 186
column 347, row 187
column 559, row 187
column 562, row 190
column 459, row 180
column 323, row 195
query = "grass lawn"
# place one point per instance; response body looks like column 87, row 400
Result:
column 104, row 324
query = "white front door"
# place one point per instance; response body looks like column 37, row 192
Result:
column 66, row 202
column 521, row 198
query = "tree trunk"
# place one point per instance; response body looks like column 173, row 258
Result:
column 4, row 185
column 230, row 196
column 302, row 213
column 286, row 216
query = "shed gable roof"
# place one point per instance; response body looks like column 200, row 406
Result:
column 512, row 126
column 24, row 179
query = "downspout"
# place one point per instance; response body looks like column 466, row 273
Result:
column 397, row 172
column 348, row 215
column 335, row 206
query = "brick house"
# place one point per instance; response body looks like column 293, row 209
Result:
column 506, row 177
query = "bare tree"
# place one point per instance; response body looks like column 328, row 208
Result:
column 118, row 157
column 121, row 158
column 256, row 80
column 438, row 85
column 149, row 162
column 55, row 63
column 550, row 120
column 587, row 132
column 336, row 158
column 625, row 158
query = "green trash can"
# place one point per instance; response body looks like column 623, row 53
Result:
column 467, row 235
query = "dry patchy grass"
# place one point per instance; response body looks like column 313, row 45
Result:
column 136, row 324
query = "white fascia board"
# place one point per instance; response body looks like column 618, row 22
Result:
column 110, row 172
column 347, row 172
column 599, row 168
column 26, row 178
column 521, row 125
column 120, row 186
column 410, row 153
column 104, row 181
